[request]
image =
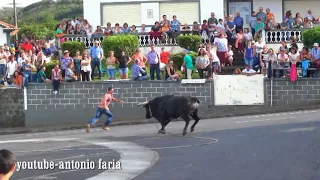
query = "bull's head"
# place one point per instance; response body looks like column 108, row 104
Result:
column 146, row 105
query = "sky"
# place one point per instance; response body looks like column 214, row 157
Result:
column 23, row 3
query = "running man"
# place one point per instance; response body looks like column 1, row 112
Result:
column 103, row 108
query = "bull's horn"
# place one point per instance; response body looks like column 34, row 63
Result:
column 142, row 104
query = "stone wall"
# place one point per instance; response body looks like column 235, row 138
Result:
column 284, row 92
column 11, row 108
column 77, row 102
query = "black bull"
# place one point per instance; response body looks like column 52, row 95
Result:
column 168, row 107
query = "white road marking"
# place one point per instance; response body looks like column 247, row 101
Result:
column 261, row 120
column 37, row 140
column 299, row 129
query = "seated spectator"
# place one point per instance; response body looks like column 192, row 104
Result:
column 27, row 72
column 293, row 43
column 171, row 74
column 195, row 28
column 203, row 63
column 156, row 32
column 70, row 30
column 79, row 31
column 46, row 50
column 42, row 77
column 117, row 29
column 18, row 79
column 230, row 55
column 7, row 164
column 283, row 62
column 53, row 47
column 237, row 71
column 138, row 74
column 98, row 31
column 283, row 46
column 70, row 75
column 134, row 29
column 186, row 28
column 90, row 32
column 248, row 71
column 175, row 24
column 220, row 26
column 272, row 25
column 108, row 31
column 125, row 28
column 143, row 29
column 56, row 78
column 166, row 30
column 204, row 30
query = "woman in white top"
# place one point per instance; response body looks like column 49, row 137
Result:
column 12, row 66
column 203, row 63
column 86, row 67
column 270, row 60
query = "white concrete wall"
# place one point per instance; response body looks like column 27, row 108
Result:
column 275, row 7
column 91, row 9
column 3, row 37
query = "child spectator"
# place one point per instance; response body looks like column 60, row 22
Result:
column 18, row 79
column 56, row 78
column 230, row 55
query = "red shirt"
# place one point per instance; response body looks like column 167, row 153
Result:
column 27, row 47
column 164, row 56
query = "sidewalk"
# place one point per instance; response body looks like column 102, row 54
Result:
column 213, row 112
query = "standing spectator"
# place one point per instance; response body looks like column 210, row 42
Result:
column 175, row 24
column 96, row 57
column 222, row 48
column 259, row 27
column 12, row 66
column 77, row 64
column 188, row 64
column 27, row 46
column 315, row 57
column 65, row 61
column 42, row 77
column 171, row 74
column 306, row 58
column 56, row 79
column 270, row 62
column 212, row 21
column 240, row 41
column 247, row 35
column 239, row 22
column 27, row 73
column 111, row 65
column 123, row 65
column 165, row 20
column 139, row 74
column 164, row 57
column 283, row 62
column 253, row 22
column 259, row 46
column 269, row 15
column 262, row 15
column 7, row 164
column 154, row 62
column 231, row 31
column 142, row 59
column 3, row 62
column 249, row 55
column 85, row 67
column 203, row 63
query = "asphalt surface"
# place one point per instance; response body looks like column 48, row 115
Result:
column 278, row 146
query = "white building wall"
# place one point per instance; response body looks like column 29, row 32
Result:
column 275, row 7
column 91, row 9
column 3, row 37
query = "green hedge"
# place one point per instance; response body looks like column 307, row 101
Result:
column 189, row 42
column 311, row 36
column 118, row 43
column 73, row 47
column 177, row 58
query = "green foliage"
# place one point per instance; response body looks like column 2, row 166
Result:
column 178, row 59
column 311, row 36
column 73, row 47
column 118, row 43
column 49, row 66
column 39, row 30
column 189, row 42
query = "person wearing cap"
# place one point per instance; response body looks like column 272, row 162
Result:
column 315, row 55
column 65, row 61
column 7, row 164
column 96, row 53
column 103, row 108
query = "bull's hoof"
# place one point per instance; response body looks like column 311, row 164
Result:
column 162, row 131
column 192, row 129
column 184, row 133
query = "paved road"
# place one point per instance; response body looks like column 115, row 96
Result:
column 282, row 146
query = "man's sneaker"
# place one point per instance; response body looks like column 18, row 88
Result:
column 106, row 128
column 88, row 128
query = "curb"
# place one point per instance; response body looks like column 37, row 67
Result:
column 258, row 110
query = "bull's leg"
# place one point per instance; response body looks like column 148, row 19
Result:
column 163, row 123
column 196, row 118
column 187, row 120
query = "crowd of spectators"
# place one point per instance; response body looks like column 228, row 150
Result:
column 25, row 60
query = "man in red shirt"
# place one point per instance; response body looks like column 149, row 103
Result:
column 164, row 56
column 26, row 46
column 103, row 108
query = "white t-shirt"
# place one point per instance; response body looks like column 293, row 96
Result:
column 11, row 68
column 259, row 47
column 294, row 56
column 250, row 71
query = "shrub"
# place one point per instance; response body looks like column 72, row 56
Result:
column 311, row 36
column 178, row 59
column 118, row 43
column 73, row 47
column 49, row 66
column 189, row 42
